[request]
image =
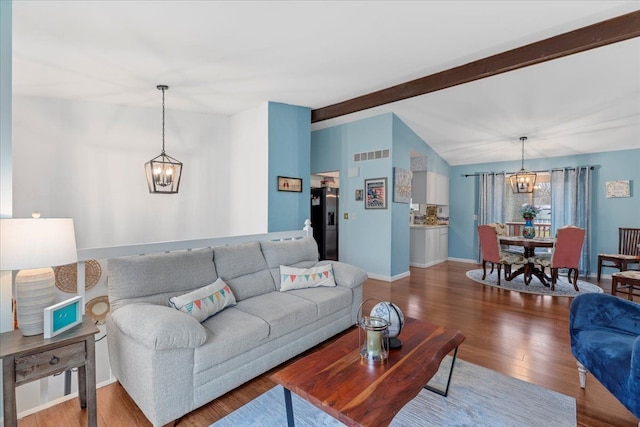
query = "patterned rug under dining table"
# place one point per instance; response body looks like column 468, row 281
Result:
column 529, row 246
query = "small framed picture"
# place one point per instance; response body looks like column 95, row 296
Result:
column 62, row 316
column 286, row 183
column 376, row 193
column 359, row 195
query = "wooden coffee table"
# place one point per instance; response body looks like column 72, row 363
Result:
column 335, row 380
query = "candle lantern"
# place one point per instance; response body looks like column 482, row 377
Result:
column 373, row 338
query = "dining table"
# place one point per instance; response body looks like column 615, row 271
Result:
column 529, row 245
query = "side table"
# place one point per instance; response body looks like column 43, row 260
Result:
column 26, row 359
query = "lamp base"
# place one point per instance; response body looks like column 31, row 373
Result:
column 35, row 291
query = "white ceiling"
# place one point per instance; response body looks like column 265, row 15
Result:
column 226, row 57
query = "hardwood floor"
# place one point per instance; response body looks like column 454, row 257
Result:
column 520, row 335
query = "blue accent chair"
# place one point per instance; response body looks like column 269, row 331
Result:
column 605, row 340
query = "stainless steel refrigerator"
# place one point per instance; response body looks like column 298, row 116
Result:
column 324, row 220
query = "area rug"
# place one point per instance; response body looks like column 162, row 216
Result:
column 563, row 287
column 477, row 397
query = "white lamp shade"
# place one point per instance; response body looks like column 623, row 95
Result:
column 27, row 243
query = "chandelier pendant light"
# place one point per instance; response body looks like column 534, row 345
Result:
column 163, row 172
column 523, row 181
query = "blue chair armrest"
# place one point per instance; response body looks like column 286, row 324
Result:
column 598, row 311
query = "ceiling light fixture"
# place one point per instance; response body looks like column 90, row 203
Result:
column 163, row 172
column 523, row 181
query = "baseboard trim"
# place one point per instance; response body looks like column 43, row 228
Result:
column 388, row 278
column 467, row 260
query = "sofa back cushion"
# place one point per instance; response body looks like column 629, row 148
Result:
column 244, row 269
column 301, row 253
column 157, row 277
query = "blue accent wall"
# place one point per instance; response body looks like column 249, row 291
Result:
column 607, row 213
column 374, row 240
column 289, row 154
column 364, row 238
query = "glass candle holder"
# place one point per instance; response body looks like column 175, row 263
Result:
column 373, row 339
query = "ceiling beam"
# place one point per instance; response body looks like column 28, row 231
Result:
column 603, row 33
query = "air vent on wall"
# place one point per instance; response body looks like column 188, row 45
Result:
column 371, row 155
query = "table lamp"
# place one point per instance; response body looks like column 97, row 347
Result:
column 33, row 246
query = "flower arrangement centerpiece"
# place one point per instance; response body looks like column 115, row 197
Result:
column 529, row 212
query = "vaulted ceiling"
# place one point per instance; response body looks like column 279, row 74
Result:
column 225, row 57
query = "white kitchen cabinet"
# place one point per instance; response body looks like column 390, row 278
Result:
column 429, row 188
column 428, row 245
column 432, row 188
column 443, row 247
column 419, row 187
column 442, row 189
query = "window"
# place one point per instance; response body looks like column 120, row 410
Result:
column 541, row 197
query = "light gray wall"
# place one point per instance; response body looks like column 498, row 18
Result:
column 86, row 161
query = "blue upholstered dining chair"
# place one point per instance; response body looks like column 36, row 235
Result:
column 605, row 340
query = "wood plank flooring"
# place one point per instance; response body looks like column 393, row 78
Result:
column 520, row 335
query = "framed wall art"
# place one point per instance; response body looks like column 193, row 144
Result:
column 617, row 189
column 359, row 194
column 375, row 193
column 62, row 316
column 402, row 185
column 286, row 183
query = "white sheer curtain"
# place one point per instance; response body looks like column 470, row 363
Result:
column 571, row 205
column 490, row 199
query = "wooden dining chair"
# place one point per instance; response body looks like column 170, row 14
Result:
column 502, row 230
column 492, row 253
column 565, row 254
column 628, row 251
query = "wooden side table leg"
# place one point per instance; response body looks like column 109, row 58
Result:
column 9, row 391
column 87, row 383
column 91, row 382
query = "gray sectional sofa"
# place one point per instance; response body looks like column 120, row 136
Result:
column 170, row 363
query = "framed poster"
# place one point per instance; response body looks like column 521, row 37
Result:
column 618, row 189
column 359, row 196
column 286, row 183
column 402, row 185
column 375, row 193
column 62, row 316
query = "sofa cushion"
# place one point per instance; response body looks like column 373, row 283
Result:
column 244, row 269
column 282, row 311
column 327, row 300
column 136, row 278
column 302, row 253
column 206, row 301
column 301, row 278
column 230, row 333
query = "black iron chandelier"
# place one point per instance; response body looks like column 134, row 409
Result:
column 523, row 181
column 163, row 172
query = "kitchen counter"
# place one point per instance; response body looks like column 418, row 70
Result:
column 428, row 226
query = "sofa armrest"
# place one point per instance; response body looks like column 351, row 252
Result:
column 159, row 327
column 598, row 311
column 346, row 275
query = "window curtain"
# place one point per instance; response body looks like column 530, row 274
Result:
column 490, row 200
column 571, row 205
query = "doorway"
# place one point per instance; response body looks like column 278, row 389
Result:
column 325, row 195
